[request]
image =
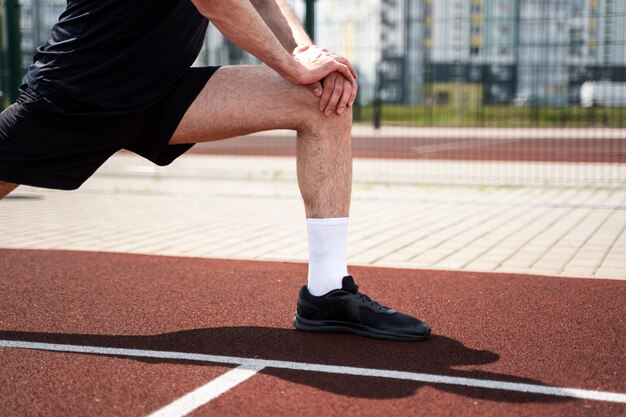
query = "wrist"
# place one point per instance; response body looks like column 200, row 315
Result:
column 289, row 67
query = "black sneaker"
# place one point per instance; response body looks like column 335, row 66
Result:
column 348, row 311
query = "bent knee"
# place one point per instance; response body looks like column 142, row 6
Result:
column 311, row 117
column 304, row 106
column 316, row 120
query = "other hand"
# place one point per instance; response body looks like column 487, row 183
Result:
column 338, row 93
column 313, row 63
column 336, row 88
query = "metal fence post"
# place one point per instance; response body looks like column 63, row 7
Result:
column 309, row 18
column 13, row 48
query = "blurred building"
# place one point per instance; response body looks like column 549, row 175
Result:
column 503, row 51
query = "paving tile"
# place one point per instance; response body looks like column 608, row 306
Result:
column 575, row 271
column 556, row 257
column 551, row 265
column 250, row 208
column 517, row 263
column 619, row 273
column 481, row 266
column 532, row 271
column 584, row 262
column 614, row 263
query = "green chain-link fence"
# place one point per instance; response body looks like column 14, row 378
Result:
column 517, row 64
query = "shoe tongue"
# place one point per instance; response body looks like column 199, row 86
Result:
column 347, row 284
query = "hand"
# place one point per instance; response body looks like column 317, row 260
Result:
column 338, row 93
column 338, row 90
column 314, row 63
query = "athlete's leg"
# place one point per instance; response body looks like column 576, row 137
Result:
column 6, row 188
column 240, row 100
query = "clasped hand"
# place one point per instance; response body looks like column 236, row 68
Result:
column 328, row 75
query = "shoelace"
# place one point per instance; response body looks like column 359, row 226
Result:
column 374, row 303
column 354, row 289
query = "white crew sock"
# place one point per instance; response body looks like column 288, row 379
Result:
column 328, row 239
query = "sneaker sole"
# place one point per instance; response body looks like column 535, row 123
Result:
column 329, row 326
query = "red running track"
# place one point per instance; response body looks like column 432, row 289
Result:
column 538, row 330
column 465, row 149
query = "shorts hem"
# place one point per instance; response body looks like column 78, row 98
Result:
column 43, row 144
column 153, row 142
column 49, row 182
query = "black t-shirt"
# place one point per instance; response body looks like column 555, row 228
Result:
column 117, row 54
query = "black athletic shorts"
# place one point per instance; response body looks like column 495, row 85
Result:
column 45, row 144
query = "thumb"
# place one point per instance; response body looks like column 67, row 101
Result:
column 316, row 88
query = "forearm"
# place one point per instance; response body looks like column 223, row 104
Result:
column 242, row 24
column 280, row 19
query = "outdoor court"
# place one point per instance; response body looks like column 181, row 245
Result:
column 170, row 291
column 104, row 334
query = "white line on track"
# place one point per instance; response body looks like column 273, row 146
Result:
column 202, row 395
column 332, row 369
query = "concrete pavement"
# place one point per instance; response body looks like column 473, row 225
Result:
column 409, row 214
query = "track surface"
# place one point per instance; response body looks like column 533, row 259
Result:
column 538, row 330
column 464, row 149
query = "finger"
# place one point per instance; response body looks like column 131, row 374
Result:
column 347, row 63
column 352, row 70
column 316, row 88
column 334, row 97
column 329, row 83
column 344, row 70
column 355, row 87
column 345, row 96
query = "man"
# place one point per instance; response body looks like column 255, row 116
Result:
column 115, row 74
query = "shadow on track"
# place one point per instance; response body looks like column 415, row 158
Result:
column 438, row 355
